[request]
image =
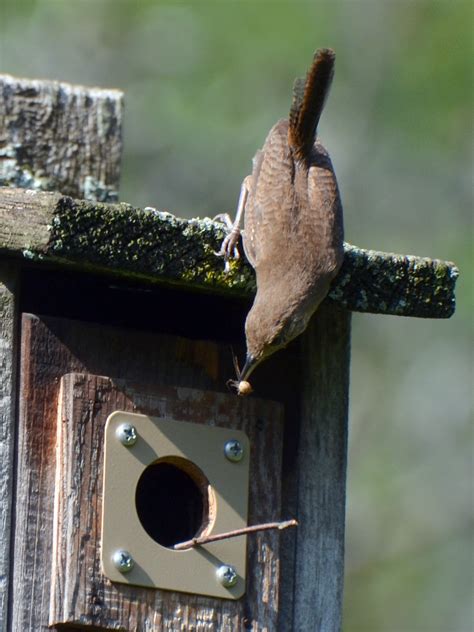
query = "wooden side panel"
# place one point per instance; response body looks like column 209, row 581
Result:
column 321, row 474
column 81, row 594
column 152, row 366
column 8, row 368
column 39, row 384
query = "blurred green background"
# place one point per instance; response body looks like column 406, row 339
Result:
column 204, row 82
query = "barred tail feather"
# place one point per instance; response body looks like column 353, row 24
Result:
column 309, row 97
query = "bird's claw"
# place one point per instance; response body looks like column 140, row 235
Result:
column 224, row 218
column 228, row 248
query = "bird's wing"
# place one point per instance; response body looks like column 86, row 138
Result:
column 321, row 226
column 270, row 199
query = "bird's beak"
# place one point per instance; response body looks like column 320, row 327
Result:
column 250, row 364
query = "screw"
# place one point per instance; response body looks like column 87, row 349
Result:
column 227, row 575
column 123, row 561
column 127, row 434
column 234, row 450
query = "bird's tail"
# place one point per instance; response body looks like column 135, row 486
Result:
column 309, row 97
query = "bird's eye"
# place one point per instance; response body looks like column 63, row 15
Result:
column 279, row 339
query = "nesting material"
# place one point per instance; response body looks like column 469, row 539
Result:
column 244, row 388
column 241, row 387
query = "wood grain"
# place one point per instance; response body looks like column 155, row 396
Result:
column 26, row 224
column 81, row 594
column 150, row 364
column 60, row 137
column 321, row 476
column 9, row 282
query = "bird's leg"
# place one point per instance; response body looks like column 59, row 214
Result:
column 229, row 245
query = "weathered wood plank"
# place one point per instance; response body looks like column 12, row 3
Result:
column 9, row 281
column 35, row 471
column 158, row 247
column 318, row 485
column 52, row 348
column 52, row 136
column 60, row 137
column 81, row 594
column 26, row 217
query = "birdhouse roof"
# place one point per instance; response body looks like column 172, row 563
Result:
column 158, row 248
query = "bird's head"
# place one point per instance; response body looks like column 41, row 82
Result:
column 271, row 324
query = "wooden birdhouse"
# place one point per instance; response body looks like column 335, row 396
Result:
column 119, row 437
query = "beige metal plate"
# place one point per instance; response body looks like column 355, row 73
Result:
column 156, row 566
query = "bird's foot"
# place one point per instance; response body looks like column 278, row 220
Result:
column 228, row 248
column 224, row 218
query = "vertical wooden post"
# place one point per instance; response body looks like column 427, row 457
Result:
column 315, row 483
column 9, row 279
column 319, row 567
column 53, row 136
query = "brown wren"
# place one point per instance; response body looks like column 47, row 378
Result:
column 293, row 231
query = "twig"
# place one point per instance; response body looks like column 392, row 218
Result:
column 205, row 539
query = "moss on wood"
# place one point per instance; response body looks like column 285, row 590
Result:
column 145, row 243
column 403, row 285
column 158, row 247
